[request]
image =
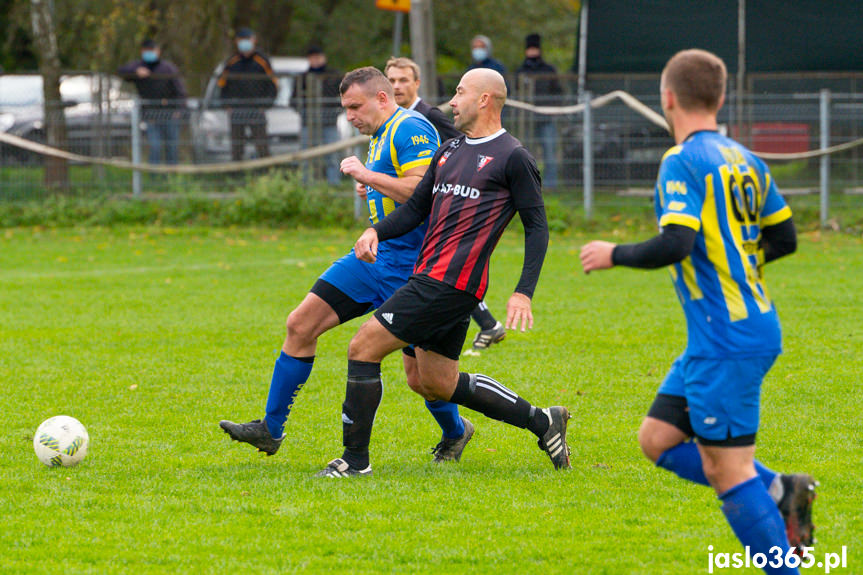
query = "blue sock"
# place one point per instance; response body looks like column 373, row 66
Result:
column 684, row 460
column 767, row 475
column 289, row 375
column 756, row 521
column 446, row 415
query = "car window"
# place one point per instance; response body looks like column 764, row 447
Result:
column 17, row 91
column 286, row 91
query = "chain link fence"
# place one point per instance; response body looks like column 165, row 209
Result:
column 105, row 119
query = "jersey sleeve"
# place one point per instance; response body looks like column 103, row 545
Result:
column 525, row 183
column 774, row 209
column 679, row 196
column 413, row 144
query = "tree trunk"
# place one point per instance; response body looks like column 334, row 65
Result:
column 56, row 169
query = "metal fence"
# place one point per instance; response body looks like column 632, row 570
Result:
column 104, row 118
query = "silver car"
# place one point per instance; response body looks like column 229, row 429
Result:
column 96, row 108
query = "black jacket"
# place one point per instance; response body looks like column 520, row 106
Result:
column 547, row 90
column 163, row 88
column 318, row 92
column 248, row 81
column 442, row 124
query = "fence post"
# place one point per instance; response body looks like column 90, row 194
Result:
column 358, row 201
column 825, row 159
column 587, row 154
column 136, row 145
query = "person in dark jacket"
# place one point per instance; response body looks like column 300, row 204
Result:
column 538, row 83
column 321, row 104
column 480, row 53
column 248, row 87
column 163, row 99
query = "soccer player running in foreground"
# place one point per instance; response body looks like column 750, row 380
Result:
column 721, row 219
column 404, row 74
column 400, row 151
column 471, row 191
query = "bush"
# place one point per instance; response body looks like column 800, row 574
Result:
column 276, row 199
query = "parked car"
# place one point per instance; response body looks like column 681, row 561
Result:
column 623, row 154
column 212, row 134
column 96, row 108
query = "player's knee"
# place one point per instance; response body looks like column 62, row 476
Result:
column 649, row 445
column 417, row 387
column 712, row 470
column 299, row 328
column 432, row 386
column 650, row 441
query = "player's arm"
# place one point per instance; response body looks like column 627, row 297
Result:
column 673, row 244
column 398, row 189
column 518, row 308
column 778, row 234
column 526, row 188
column 779, row 240
column 400, row 221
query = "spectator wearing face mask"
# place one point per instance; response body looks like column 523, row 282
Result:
column 248, row 87
column 163, row 100
column 480, row 53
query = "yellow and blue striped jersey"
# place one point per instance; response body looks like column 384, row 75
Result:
column 406, row 140
column 717, row 187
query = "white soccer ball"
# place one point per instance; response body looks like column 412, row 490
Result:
column 61, row 440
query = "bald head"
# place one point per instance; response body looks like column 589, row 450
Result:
column 487, row 81
column 478, row 101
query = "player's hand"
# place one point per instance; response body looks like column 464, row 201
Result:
column 142, row 72
column 518, row 311
column 597, row 256
column 366, row 248
column 361, row 190
column 353, row 167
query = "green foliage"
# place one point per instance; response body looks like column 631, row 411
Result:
column 276, row 199
column 99, row 35
column 150, row 336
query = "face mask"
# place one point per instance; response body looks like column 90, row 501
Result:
column 245, row 46
column 150, row 56
column 479, row 54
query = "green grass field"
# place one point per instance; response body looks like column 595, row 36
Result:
column 151, row 336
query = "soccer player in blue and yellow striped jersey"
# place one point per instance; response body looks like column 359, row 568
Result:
column 401, row 148
column 721, row 218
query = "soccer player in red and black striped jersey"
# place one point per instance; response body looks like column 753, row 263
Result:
column 404, row 74
column 472, row 189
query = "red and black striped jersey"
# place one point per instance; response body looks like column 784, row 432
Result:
column 475, row 187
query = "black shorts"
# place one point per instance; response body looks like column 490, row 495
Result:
column 429, row 314
column 673, row 409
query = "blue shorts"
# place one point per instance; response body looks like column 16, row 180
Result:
column 367, row 283
column 723, row 395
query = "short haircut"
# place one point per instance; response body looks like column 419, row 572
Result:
column 403, row 63
column 370, row 78
column 697, row 78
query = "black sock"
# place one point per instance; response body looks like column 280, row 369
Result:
column 538, row 422
column 481, row 393
column 362, row 397
column 483, row 317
